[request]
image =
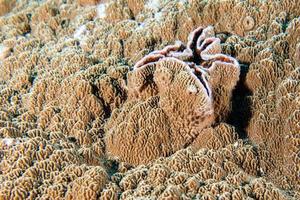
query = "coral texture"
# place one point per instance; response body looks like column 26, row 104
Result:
column 88, row 2
column 206, row 174
column 6, row 6
column 77, row 76
column 173, row 94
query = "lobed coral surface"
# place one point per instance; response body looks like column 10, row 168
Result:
column 137, row 99
column 172, row 95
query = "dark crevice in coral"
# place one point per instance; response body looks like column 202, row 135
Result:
column 149, row 79
column 122, row 48
column 223, row 36
column 111, row 166
column 106, row 108
column 193, row 46
column 241, row 104
column 72, row 139
column 204, row 84
column 32, row 77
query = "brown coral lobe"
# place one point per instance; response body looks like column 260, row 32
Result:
column 157, row 76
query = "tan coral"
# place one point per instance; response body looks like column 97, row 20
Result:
column 223, row 77
column 157, row 79
column 6, row 6
column 88, row 2
column 197, row 112
column 54, row 102
column 136, row 5
column 215, row 138
column 89, row 185
column 297, row 53
column 176, row 176
column 272, row 103
column 118, row 11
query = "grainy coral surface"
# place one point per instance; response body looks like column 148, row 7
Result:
column 82, row 118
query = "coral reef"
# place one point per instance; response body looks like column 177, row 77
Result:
column 77, row 76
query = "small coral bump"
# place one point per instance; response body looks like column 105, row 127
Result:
column 248, row 23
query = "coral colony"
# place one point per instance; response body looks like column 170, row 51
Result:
column 196, row 70
column 149, row 99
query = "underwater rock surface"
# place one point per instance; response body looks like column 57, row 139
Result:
column 100, row 100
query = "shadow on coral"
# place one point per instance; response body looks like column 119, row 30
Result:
column 111, row 166
column 241, row 106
